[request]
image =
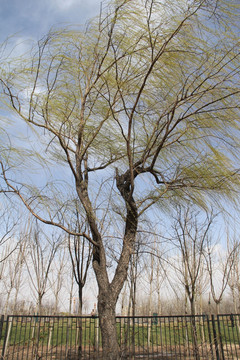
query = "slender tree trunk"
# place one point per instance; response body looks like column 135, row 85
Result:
column 80, row 304
column 218, row 307
column 80, row 299
column 71, row 294
column 7, row 302
column 39, row 304
column 193, row 307
column 151, row 287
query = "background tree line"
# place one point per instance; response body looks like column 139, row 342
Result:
column 190, row 270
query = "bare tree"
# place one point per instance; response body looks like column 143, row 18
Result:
column 191, row 236
column 80, row 254
column 69, row 287
column 234, row 277
column 8, row 225
column 41, row 252
column 219, row 266
column 144, row 93
column 11, row 266
column 56, row 278
column 16, row 267
column 160, row 275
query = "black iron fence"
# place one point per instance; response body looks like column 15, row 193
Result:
column 155, row 337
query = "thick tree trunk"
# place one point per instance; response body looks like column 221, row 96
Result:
column 107, row 298
column 107, row 322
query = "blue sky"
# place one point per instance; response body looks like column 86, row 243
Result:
column 31, row 19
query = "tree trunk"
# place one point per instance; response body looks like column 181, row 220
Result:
column 109, row 291
column 80, row 303
column 192, row 306
column 80, row 299
column 107, row 322
column 5, row 311
column 39, row 305
column 218, row 307
column 107, row 298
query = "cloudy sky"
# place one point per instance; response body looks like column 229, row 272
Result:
column 33, row 18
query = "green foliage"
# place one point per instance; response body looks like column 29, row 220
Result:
column 150, row 88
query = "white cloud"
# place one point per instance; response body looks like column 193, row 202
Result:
column 64, row 4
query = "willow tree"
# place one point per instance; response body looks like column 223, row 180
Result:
column 142, row 106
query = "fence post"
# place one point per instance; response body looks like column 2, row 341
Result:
column 1, row 326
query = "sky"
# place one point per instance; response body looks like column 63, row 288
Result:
column 31, row 19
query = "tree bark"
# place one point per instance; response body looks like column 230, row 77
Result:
column 107, row 322
column 107, row 299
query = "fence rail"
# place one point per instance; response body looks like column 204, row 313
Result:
column 155, row 337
